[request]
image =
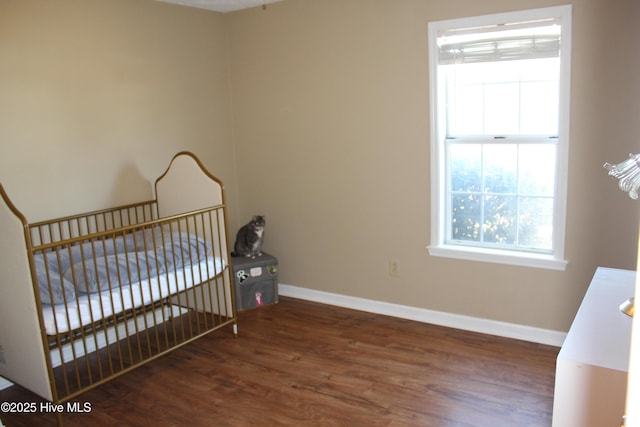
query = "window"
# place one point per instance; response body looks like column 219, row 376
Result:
column 499, row 136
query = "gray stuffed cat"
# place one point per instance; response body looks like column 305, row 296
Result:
column 249, row 238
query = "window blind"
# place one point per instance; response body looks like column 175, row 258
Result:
column 526, row 40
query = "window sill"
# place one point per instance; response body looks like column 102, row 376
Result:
column 498, row 257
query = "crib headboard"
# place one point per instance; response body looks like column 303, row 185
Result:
column 187, row 186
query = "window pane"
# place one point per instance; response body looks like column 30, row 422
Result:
column 537, row 164
column 500, row 168
column 466, row 163
column 503, row 98
column 465, row 110
column 499, row 72
column 539, row 114
column 502, row 109
column 487, row 182
column 500, row 219
column 543, row 69
column 535, row 225
column 465, row 217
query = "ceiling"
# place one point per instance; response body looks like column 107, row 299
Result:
column 221, row 5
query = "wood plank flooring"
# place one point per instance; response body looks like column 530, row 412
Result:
column 307, row 364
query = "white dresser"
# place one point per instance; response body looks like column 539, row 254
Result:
column 591, row 369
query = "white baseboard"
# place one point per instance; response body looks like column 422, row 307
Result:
column 474, row 324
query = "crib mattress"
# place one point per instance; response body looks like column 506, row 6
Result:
column 91, row 308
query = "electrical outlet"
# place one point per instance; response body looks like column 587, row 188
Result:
column 394, row 271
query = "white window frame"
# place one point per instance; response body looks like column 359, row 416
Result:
column 438, row 246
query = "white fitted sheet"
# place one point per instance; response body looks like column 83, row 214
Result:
column 90, row 308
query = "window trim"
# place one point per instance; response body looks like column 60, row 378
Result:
column 438, row 246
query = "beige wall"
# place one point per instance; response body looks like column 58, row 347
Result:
column 96, row 96
column 331, row 109
column 320, row 109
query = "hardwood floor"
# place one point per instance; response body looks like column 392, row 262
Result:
column 306, row 364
